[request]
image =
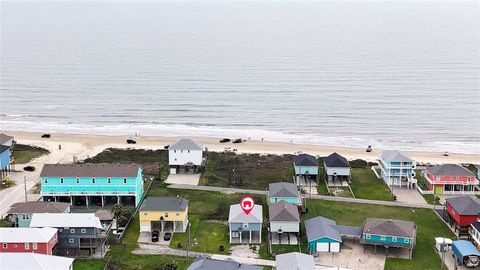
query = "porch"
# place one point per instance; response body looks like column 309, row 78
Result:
column 245, row 237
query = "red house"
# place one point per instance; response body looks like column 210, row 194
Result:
column 35, row 240
column 462, row 211
column 451, row 179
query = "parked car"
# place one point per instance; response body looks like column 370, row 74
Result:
column 130, row 141
column 446, row 154
column 117, row 231
column 155, row 235
column 167, row 236
column 237, row 141
column 29, row 168
column 166, row 147
column 46, row 135
column 224, row 140
column 369, row 148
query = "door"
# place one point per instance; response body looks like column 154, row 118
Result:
column 323, row 247
column 438, row 190
column 334, row 247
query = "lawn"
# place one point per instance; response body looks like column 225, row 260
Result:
column 365, row 185
column 430, row 198
column 5, row 223
column 25, row 153
column 88, row 264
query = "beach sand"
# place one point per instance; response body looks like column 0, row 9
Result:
column 83, row 146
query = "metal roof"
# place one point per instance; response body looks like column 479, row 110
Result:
column 185, row 144
column 294, row 261
column 305, row 160
column 27, row 260
column 465, row 205
column 476, row 225
column 164, row 204
column 449, row 170
column 4, row 138
column 90, row 170
column 57, row 220
column 348, row 230
column 466, row 248
column 38, row 207
column 26, row 235
column 236, row 214
column 283, row 211
column 389, row 227
column 396, row 156
column 336, row 161
column 320, row 227
column 283, row 189
column 204, row 263
column 4, row 148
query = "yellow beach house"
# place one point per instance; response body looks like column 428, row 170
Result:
column 164, row 214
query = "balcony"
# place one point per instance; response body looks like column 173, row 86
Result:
column 384, row 243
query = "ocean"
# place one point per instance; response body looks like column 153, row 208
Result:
column 391, row 74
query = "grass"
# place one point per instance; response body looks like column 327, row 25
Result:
column 365, row 185
column 430, row 198
column 5, row 223
column 88, row 264
column 25, row 153
column 341, row 192
column 322, row 188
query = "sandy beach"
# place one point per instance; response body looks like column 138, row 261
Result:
column 83, row 146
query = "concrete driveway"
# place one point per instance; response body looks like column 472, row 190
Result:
column 408, row 195
column 186, row 179
column 352, row 256
column 146, row 238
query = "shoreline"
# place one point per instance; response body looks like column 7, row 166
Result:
column 89, row 145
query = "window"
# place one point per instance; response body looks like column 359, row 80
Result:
column 383, row 238
column 188, row 151
column 71, row 240
column 124, row 180
column 24, row 217
column 5, row 246
column 181, row 151
column 93, row 180
column 406, row 241
column 61, row 180
column 34, row 246
column 72, row 230
column 15, row 245
column 174, row 151
column 60, row 230
column 368, row 236
column 275, row 199
column 27, row 246
column 109, row 180
column 83, row 230
column 394, row 239
column 78, row 180
column 245, row 225
column 46, row 181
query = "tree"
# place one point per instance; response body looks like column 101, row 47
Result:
column 121, row 214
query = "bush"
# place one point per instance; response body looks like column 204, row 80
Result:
column 358, row 163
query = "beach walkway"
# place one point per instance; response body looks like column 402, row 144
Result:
column 319, row 197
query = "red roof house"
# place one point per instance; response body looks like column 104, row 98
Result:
column 462, row 211
column 36, row 240
column 451, row 179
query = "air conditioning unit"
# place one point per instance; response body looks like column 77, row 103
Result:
column 414, row 165
column 413, row 174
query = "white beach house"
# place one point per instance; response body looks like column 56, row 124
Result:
column 397, row 169
column 185, row 156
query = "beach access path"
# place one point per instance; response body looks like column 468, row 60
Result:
column 318, row 197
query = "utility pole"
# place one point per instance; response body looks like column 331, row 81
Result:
column 188, row 243
column 25, row 186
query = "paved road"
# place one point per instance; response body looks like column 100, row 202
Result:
column 319, row 197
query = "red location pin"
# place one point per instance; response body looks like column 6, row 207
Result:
column 247, row 204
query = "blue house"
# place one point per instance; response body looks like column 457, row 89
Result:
column 397, row 169
column 6, row 157
column 389, row 233
column 92, row 183
column 306, row 167
column 245, row 229
column 283, row 191
column 78, row 234
column 21, row 213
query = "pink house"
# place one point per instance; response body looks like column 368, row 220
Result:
column 451, row 179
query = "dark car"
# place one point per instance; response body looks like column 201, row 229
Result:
column 155, row 235
column 166, row 147
column 130, row 141
column 46, row 135
column 29, row 168
column 224, row 140
column 167, row 236
column 237, row 141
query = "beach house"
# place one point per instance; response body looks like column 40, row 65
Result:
column 164, row 214
column 397, row 169
column 243, row 228
column 294, row 261
column 96, row 184
column 284, row 223
column 205, row 263
column 20, row 214
column 305, row 168
column 389, row 233
column 451, row 179
column 35, row 261
column 337, row 170
column 474, row 233
column 35, row 240
column 78, row 234
column 6, row 155
column 462, row 211
column 324, row 235
column 185, row 156
column 283, row 191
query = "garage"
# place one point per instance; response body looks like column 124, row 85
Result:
column 328, row 247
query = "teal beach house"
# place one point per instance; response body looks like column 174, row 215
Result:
column 20, row 214
column 306, row 169
column 89, row 184
column 283, row 191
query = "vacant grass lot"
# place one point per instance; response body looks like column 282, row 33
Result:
column 365, row 185
column 25, row 153
column 88, row 264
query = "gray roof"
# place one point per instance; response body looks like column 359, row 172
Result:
column 283, row 189
column 349, row 230
column 104, row 215
column 204, row 263
column 38, row 207
column 319, row 227
column 90, row 170
column 389, row 227
column 465, row 205
column 164, row 204
column 4, row 138
column 185, row 144
column 236, row 214
column 336, row 161
column 449, row 170
column 294, row 261
column 305, row 160
column 283, row 211
column 396, row 156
